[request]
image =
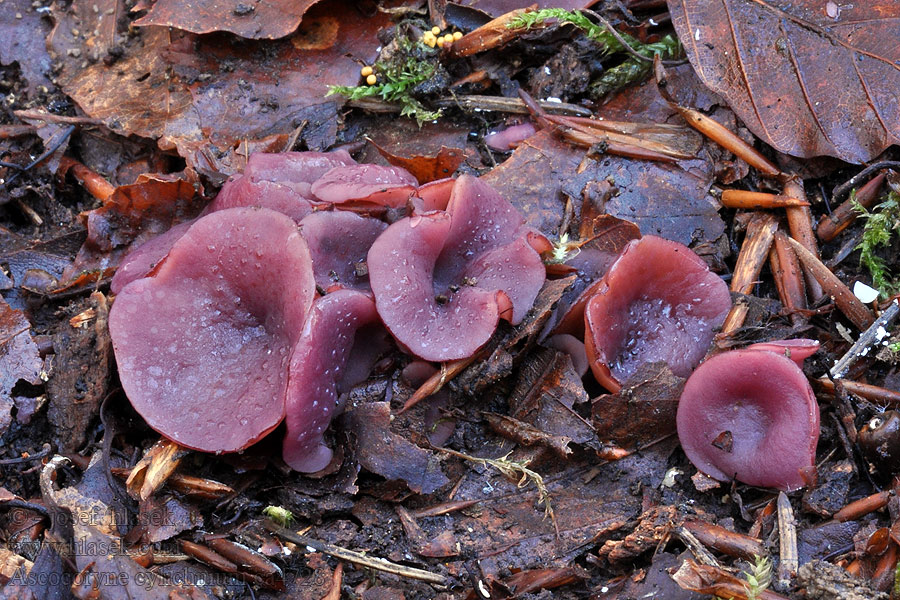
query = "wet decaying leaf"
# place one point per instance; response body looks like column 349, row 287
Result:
column 257, row 20
column 831, row 491
column 657, row 582
column 808, row 79
column 509, row 344
column 545, row 396
column 99, row 552
column 19, row 358
column 643, row 411
column 509, row 527
column 382, row 452
column 539, row 175
column 203, row 94
column 165, row 517
column 132, row 215
column 22, row 34
column 427, row 168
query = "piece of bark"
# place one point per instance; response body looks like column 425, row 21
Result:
column 79, row 379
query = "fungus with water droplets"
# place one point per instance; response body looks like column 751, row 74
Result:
column 280, row 182
column 658, row 302
column 317, row 375
column 750, row 415
column 214, row 327
column 442, row 280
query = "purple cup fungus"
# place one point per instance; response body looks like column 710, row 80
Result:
column 365, row 184
column 434, row 195
column 603, row 242
column 572, row 346
column 442, row 280
column 508, row 138
column 339, row 242
column 797, row 350
column 146, row 257
column 750, row 415
column 214, row 327
column 280, row 182
column 318, row 375
column 657, row 302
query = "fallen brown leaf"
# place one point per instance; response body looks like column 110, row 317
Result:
column 809, row 78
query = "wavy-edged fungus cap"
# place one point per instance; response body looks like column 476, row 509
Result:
column 751, row 416
column 203, row 345
column 143, row 259
column 442, row 280
column 339, row 242
column 658, row 302
column 371, row 184
column 317, row 372
column 280, row 182
column 797, row 350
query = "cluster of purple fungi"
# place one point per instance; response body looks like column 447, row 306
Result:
column 308, row 267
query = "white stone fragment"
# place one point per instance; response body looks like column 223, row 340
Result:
column 865, row 293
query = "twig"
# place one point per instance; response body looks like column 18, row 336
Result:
column 876, row 332
column 842, row 190
column 509, row 105
column 699, row 551
column 872, row 393
column 799, row 220
column 789, row 560
column 758, row 200
column 845, row 214
column 785, row 267
column 848, row 303
column 714, row 130
column 45, row 450
column 62, row 138
column 39, row 115
column 379, row 564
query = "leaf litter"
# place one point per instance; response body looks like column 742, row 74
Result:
column 554, row 485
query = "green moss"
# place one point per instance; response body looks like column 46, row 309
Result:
column 410, row 66
column 631, row 70
column 878, row 232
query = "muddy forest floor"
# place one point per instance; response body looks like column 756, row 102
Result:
column 549, row 486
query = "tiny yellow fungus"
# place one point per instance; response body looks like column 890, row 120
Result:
column 365, row 71
column 371, row 79
column 448, row 39
column 457, row 35
column 440, row 42
column 435, row 30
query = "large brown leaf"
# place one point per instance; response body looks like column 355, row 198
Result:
column 808, row 77
column 268, row 19
column 203, row 95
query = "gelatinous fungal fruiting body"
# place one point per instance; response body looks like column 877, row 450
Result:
column 339, row 242
column 317, row 374
column 203, row 345
column 442, row 280
column 280, row 182
column 750, row 415
column 658, row 302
